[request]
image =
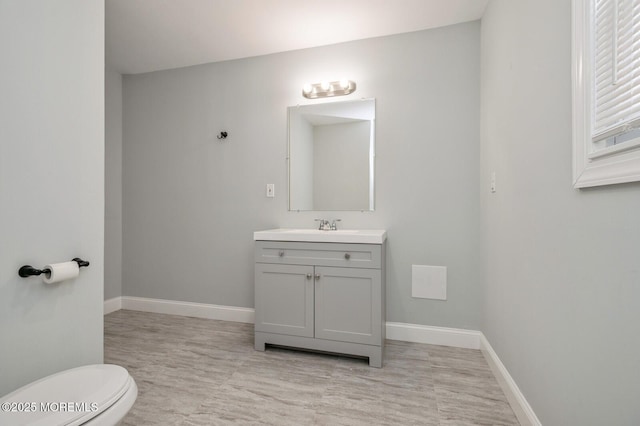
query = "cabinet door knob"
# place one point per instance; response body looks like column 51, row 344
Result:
column 281, row 253
column 347, row 256
column 308, row 276
column 317, row 277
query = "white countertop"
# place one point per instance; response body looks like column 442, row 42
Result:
column 354, row 236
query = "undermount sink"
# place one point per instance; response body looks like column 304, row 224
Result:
column 354, row 236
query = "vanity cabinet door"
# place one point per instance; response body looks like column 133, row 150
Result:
column 348, row 305
column 284, row 299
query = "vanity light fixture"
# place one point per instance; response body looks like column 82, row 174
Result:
column 328, row 88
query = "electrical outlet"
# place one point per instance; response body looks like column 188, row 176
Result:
column 271, row 190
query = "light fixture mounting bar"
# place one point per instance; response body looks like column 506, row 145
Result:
column 327, row 89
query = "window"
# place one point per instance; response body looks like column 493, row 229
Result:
column 606, row 92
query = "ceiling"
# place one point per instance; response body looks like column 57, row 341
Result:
column 151, row 35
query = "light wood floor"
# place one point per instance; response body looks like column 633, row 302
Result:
column 193, row 371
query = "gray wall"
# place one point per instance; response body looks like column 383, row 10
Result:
column 341, row 166
column 113, row 186
column 300, row 170
column 561, row 271
column 191, row 202
column 51, row 184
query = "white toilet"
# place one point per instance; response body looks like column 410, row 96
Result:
column 96, row 395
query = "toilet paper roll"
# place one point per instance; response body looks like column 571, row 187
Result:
column 61, row 271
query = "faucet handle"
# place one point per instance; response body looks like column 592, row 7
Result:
column 334, row 225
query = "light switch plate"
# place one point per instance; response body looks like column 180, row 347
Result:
column 271, row 190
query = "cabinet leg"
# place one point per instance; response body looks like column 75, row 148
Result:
column 259, row 343
column 375, row 359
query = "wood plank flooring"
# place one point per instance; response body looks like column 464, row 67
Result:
column 193, row 371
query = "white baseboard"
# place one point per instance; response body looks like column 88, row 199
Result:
column 416, row 333
column 188, row 309
column 395, row 330
column 443, row 336
column 516, row 399
column 112, row 305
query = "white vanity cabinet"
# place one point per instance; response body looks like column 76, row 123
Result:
column 321, row 296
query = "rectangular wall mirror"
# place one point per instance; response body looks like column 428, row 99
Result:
column 331, row 156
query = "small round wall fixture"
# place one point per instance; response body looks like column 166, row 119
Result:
column 222, row 135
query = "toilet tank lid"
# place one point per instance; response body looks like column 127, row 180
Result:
column 70, row 397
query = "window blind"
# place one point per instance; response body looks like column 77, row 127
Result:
column 616, row 99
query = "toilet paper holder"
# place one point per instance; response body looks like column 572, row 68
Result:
column 28, row 270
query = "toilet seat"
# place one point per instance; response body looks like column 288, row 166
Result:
column 70, row 397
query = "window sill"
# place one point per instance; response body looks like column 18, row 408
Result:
column 608, row 168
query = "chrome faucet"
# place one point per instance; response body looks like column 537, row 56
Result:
column 325, row 225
